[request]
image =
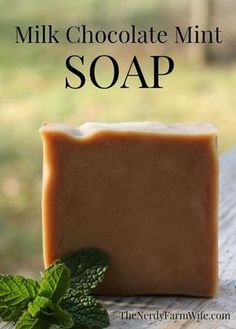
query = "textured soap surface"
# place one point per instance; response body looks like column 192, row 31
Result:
column 145, row 193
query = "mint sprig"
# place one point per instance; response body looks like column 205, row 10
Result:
column 86, row 310
column 55, row 282
column 15, row 295
column 87, row 269
column 44, row 310
column 62, row 297
column 27, row 321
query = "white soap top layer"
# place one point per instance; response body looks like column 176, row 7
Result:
column 91, row 128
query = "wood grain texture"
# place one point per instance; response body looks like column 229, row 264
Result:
column 224, row 302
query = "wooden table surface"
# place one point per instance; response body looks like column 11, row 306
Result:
column 223, row 305
column 224, row 302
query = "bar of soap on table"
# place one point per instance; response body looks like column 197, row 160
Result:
column 145, row 193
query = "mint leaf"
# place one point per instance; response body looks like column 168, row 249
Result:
column 52, row 313
column 87, row 267
column 26, row 321
column 15, row 295
column 85, row 309
column 10, row 314
column 61, row 318
column 39, row 305
column 55, row 282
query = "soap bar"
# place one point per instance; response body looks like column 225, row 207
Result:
column 145, row 193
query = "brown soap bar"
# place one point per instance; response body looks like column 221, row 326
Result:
column 145, row 193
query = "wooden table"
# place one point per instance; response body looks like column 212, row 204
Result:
column 224, row 302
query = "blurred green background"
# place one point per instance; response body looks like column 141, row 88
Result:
column 202, row 88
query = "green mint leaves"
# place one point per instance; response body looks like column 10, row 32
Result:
column 26, row 321
column 35, row 305
column 15, row 295
column 87, row 268
column 62, row 297
column 87, row 312
column 55, row 282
